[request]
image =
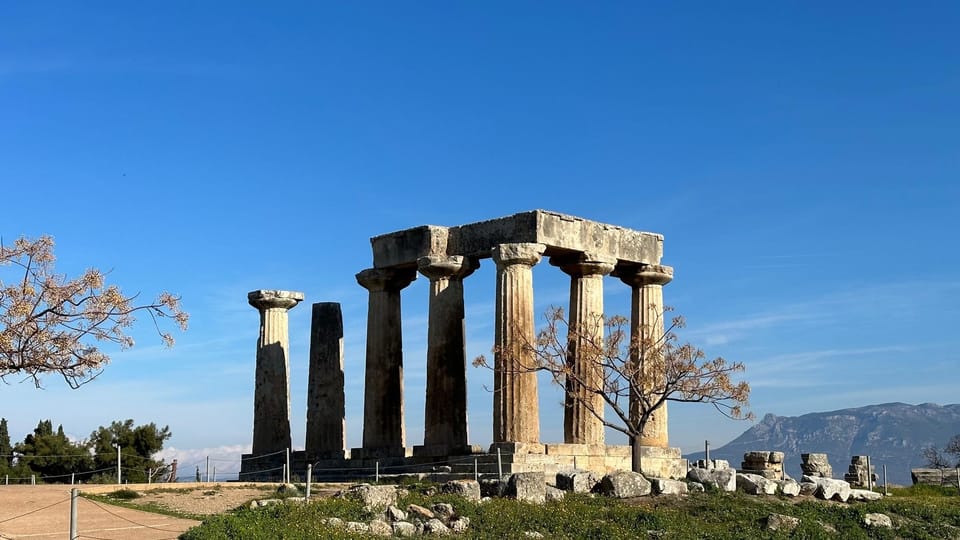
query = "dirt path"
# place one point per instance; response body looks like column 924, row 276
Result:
column 40, row 512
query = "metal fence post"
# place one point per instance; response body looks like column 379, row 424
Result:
column 309, row 478
column 73, row 514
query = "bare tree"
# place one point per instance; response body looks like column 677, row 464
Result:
column 938, row 459
column 50, row 324
column 633, row 375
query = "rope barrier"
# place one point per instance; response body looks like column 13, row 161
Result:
column 100, row 506
column 35, row 510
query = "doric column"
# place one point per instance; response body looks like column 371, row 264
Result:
column 383, row 429
column 326, row 424
column 515, row 402
column 445, row 415
column 271, row 397
column 647, row 326
column 583, row 406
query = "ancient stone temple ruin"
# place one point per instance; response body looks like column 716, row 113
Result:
column 447, row 256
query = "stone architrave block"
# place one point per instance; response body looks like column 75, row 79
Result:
column 666, row 486
column 722, row 479
column 754, row 484
column 468, row 489
column 577, row 481
column 625, row 485
column 816, row 465
column 529, row 487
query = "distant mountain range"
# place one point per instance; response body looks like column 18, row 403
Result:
column 892, row 434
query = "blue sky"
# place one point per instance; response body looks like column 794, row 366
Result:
column 801, row 160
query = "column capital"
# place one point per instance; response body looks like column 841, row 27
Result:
column 645, row 274
column 263, row 299
column 436, row 267
column 524, row 253
column 386, row 279
column 584, row 264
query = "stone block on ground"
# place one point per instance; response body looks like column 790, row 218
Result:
column 460, row 525
column 789, row 488
column 780, row 522
column 468, row 489
column 372, row 497
column 577, row 481
column 415, row 510
column 878, row 520
column 494, row 487
column 443, row 510
column 864, row 495
column 625, row 485
column 436, row 527
column 528, row 487
column 379, row 527
column 554, row 494
column 392, row 513
column 754, row 484
column 666, row 486
column 404, row 529
column 722, row 479
column 829, row 489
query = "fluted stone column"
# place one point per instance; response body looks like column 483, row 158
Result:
column 383, row 425
column 271, row 397
column 583, row 407
column 515, row 404
column 445, row 415
column 647, row 323
column 326, row 418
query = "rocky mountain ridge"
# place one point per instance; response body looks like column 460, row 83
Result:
column 892, row 434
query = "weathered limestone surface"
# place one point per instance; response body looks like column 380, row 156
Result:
column 625, row 485
column 816, row 465
column 559, row 233
column 647, row 327
column 383, row 424
column 583, row 409
column 857, row 474
column 515, row 404
column 271, row 400
column 445, row 418
column 766, row 464
column 326, row 415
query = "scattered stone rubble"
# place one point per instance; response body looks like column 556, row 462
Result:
column 442, row 519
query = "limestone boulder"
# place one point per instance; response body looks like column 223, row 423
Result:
column 554, row 494
column 780, row 522
column 357, row 527
column 393, row 514
column 468, row 489
column 404, row 529
column 754, row 484
column 379, row 527
column 722, row 479
column 878, row 520
column 529, row 487
column 829, row 489
column 695, row 487
column 435, row 527
column 808, row 488
column 415, row 510
column 864, row 495
column 625, row 485
column 460, row 525
column 443, row 510
column 577, row 481
column 666, row 486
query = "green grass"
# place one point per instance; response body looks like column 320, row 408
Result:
column 917, row 514
column 126, row 501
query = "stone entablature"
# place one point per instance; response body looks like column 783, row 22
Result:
column 560, row 234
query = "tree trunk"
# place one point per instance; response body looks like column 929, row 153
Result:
column 635, row 453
